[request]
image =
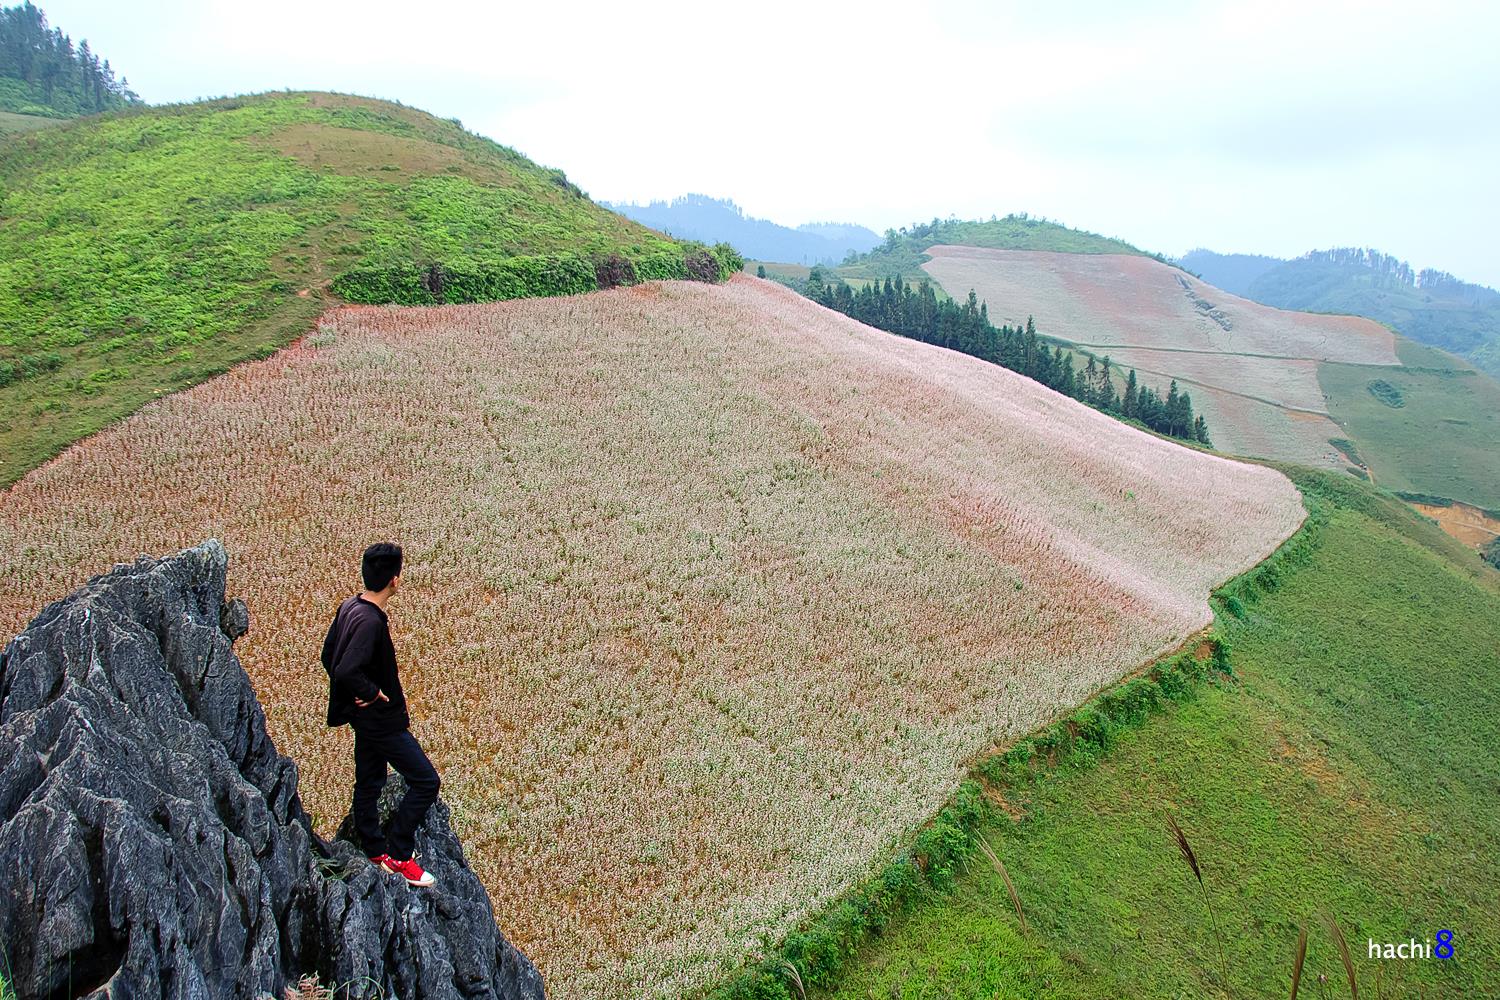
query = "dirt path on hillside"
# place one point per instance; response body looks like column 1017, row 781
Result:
column 1469, row 525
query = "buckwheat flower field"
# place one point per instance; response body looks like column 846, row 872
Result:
column 710, row 592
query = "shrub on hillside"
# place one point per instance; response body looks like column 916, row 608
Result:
column 612, row 271
column 29, row 366
column 433, row 284
column 536, row 276
column 731, row 261
column 660, row 265
column 701, row 264
column 1492, row 553
column 1387, row 393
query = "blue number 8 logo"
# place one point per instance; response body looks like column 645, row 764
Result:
column 1444, row 944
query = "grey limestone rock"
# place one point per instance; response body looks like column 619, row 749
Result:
column 151, row 837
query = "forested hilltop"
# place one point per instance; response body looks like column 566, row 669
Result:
column 904, row 250
column 1427, row 305
column 43, row 73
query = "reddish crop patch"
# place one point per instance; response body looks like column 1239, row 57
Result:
column 1250, row 369
column 709, row 590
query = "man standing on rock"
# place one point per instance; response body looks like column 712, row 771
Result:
column 364, row 690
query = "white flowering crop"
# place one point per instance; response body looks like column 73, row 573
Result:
column 710, row 592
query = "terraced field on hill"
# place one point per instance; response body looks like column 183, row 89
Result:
column 710, row 591
column 1346, row 767
column 1271, row 383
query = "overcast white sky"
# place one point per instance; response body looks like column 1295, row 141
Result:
column 1266, row 127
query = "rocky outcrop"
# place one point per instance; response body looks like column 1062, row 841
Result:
column 152, row 843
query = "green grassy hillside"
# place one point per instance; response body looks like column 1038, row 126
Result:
column 11, row 123
column 904, row 250
column 147, row 250
column 1428, row 427
column 1347, row 765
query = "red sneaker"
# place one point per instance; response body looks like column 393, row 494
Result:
column 409, row 870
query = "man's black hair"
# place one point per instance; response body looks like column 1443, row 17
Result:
column 382, row 561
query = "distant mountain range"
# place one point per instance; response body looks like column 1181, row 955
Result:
column 715, row 220
column 1429, row 306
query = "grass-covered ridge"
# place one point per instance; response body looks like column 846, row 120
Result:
column 1345, row 764
column 147, row 250
column 904, row 250
column 1428, row 427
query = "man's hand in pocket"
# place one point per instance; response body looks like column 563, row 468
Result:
column 379, row 696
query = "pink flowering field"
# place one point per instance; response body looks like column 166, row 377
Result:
column 711, row 592
column 1252, row 370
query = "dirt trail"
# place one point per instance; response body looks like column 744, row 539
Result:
column 1469, row 525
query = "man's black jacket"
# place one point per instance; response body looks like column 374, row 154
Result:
column 361, row 663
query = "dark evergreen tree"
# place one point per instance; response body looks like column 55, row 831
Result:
column 896, row 306
column 42, row 73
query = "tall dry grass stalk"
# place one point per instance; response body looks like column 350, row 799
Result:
column 1297, row 961
column 796, row 978
column 1343, row 947
column 1186, row 849
column 307, row 988
column 1015, row 898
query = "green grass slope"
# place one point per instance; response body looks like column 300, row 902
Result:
column 1348, row 766
column 1434, row 435
column 904, row 250
column 12, row 123
column 143, row 251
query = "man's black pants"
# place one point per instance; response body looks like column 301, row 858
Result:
column 372, row 751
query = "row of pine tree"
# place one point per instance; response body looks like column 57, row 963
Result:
column 899, row 308
column 42, row 71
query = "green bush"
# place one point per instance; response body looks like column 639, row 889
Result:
column 29, row 366
column 731, row 261
column 1387, row 393
column 433, row 284
column 411, row 284
column 660, row 265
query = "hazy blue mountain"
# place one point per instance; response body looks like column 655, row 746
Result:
column 854, row 235
column 1232, row 272
column 714, row 220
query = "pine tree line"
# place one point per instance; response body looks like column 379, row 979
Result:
column 897, row 307
column 1386, row 271
column 42, row 70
